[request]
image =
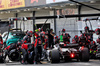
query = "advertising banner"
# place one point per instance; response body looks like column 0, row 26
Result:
column 54, row 1
column 10, row 4
column 15, row 3
column 34, row 2
column 2, row 4
column 68, row 11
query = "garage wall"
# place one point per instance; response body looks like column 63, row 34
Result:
column 25, row 25
column 5, row 17
column 70, row 24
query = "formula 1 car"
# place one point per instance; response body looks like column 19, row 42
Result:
column 68, row 52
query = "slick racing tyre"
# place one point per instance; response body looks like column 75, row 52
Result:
column 55, row 56
column 84, row 57
column 14, row 55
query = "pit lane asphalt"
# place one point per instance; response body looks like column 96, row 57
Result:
column 73, row 63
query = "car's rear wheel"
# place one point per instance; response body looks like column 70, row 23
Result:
column 55, row 56
column 84, row 57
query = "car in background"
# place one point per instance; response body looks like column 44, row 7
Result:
column 12, row 36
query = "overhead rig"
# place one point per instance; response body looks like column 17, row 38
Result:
column 88, row 19
column 51, row 17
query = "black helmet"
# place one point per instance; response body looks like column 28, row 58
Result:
column 93, row 43
column 97, row 31
column 29, row 33
column 76, row 37
column 83, row 37
column 86, row 28
column 63, row 30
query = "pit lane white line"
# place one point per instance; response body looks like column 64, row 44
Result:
column 94, row 60
column 84, row 64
